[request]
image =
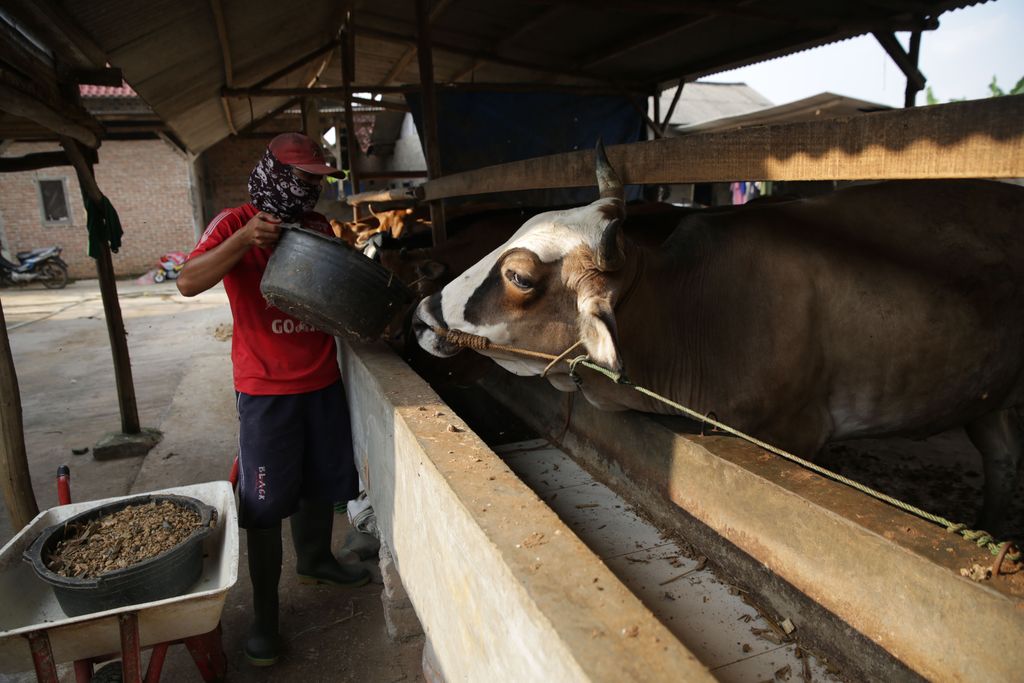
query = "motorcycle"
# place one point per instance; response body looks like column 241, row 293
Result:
column 170, row 266
column 37, row 265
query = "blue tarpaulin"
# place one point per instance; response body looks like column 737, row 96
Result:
column 477, row 129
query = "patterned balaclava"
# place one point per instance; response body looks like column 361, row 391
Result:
column 275, row 189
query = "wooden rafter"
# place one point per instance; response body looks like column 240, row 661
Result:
column 337, row 92
column 249, row 127
column 905, row 62
column 37, row 160
column 225, row 53
column 482, row 55
column 297, row 64
column 410, row 52
column 660, row 32
column 542, row 17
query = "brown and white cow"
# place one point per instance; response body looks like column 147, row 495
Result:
column 888, row 309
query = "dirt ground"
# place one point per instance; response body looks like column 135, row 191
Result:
column 180, row 353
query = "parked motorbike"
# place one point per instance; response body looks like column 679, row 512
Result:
column 37, row 265
column 170, row 266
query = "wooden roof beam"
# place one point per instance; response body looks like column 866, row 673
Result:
column 409, row 53
column 225, row 54
column 337, row 92
column 297, row 64
column 482, row 55
column 538, row 19
column 973, row 139
column 659, row 33
column 37, row 160
column 249, row 127
column 903, row 60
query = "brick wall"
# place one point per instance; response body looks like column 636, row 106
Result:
column 226, row 169
column 147, row 182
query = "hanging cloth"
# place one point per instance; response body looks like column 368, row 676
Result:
column 104, row 226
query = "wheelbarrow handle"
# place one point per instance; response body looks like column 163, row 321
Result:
column 64, row 485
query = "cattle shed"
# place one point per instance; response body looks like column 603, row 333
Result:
column 505, row 584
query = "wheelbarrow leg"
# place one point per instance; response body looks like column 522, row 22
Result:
column 83, row 670
column 131, row 659
column 208, row 653
column 42, row 657
column 156, row 662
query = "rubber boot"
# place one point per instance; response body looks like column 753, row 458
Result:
column 315, row 563
column 263, row 646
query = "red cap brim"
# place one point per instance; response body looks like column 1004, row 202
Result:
column 320, row 169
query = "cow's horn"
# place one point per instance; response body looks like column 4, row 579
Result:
column 608, row 183
column 609, row 254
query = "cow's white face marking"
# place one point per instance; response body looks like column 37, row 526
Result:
column 482, row 302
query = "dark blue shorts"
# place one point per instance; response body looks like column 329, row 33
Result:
column 291, row 447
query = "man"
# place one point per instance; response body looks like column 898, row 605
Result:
column 295, row 445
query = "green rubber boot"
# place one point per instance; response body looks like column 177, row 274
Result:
column 263, row 646
column 315, row 563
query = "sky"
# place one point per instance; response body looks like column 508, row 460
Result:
column 958, row 59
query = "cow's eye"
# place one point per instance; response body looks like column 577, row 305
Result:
column 518, row 280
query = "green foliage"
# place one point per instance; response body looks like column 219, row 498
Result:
column 993, row 88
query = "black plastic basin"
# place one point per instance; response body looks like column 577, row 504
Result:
column 324, row 283
column 171, row 573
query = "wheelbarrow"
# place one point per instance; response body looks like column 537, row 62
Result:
column 36, row 633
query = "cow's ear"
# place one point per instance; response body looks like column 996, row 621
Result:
column 598, row 332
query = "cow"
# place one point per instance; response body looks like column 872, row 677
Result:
column 394, row 222
column 889, row 309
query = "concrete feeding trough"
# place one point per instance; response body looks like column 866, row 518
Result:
column 503, row 588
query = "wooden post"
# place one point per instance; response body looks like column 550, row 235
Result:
column 310, row 119
column 430, row 140
column 348, row 74
column 108, row 291
column 913, row 86
column 15, row 480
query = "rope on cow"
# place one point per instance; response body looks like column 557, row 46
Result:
column 980, row 538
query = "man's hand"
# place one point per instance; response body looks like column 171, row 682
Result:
column 263, row 230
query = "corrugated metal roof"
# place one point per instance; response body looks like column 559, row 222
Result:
column 820, row 106
column 706, row 101
column 171, row 51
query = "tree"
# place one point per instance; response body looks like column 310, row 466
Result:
column 998, row 92
column 993, row 88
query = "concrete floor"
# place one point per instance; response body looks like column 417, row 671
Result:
column 180, row 353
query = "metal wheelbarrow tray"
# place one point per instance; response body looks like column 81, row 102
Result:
column 29, row 604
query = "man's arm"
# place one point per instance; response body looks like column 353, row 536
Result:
column 206, row 270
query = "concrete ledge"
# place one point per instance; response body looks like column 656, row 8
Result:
column 503, row 589
column 783, row 530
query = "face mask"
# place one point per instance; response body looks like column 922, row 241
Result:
column 275, row 189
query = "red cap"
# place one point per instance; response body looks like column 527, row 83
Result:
column 295, row 149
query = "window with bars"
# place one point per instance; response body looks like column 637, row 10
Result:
column 53, row 199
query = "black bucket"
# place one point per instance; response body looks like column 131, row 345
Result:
column 324, row 283
column 166, row 575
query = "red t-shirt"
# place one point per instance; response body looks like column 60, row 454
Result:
column 271, row 351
